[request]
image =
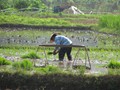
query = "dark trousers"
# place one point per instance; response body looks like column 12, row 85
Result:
column 66, row 50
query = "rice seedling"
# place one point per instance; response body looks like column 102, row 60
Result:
column 4, row 61
column 48, row 69
column 14, row 19
column 31, row 55
column 114, row 64
column 16, row 65
column 25, row 64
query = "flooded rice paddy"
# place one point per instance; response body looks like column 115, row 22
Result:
column 30, row 37
column 102, row 47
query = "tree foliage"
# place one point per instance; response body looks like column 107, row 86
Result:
column 85, row 5
column 19, row 4
column 88, row 5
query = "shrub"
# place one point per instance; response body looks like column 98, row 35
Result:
column 114, row 64
column 4, row 61
column 21, row 4
column 25, row 64
column 31, row 55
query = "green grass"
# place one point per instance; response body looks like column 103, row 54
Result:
column 113, row 71
column 31, row 55
column 102, row 23
column 94, row 54
column 43, row 19
column 110, row 23
column 48, row 70
column 14, row 19
column 114, row 64
column 4, row 61
column 25, row 64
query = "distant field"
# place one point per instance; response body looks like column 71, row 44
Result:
column 101, row 23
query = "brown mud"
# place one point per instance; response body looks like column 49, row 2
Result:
column 44, row 27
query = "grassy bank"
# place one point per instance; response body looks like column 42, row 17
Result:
column 110, row 23
column 102, row 23
column 14, row 19
column 58, row 82
column 49, row 19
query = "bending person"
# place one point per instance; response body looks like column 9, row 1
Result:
column 62, row 40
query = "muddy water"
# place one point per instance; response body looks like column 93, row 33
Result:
column 25, row 37
column 13, row 37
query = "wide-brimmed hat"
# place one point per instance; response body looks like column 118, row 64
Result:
column 54, row 35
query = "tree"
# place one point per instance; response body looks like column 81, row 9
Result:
column 4, row 4
column 21, row 4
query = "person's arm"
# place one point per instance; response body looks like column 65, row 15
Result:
column 56, row 50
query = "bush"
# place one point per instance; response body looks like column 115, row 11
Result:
column 4, row 61
column 25, row 64
column 114, row 64
column 21, row 4
column 31, row 55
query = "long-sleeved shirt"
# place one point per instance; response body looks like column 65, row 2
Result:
column 62, row 40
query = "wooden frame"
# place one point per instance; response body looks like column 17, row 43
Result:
column 87, row 59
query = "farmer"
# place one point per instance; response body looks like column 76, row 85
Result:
column 61, row 40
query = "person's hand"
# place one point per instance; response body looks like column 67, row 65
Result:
column 49, row 53
column 54, row 52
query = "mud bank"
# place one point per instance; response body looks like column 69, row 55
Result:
column 62, row 28
column 44, row 27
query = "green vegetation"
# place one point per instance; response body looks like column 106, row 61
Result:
column 110, row 23
column 48, row 70
column 18, row 43
column 102, row 23
column 14, row 19
column 31, row 55
column 25, row 64
column 4, row 61
column 106, row 49
column 58, row 82
column 113, row 71
column 114, row 64
column 47, row 5
column 19, row 4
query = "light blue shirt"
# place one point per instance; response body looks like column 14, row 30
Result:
column 62, row 40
